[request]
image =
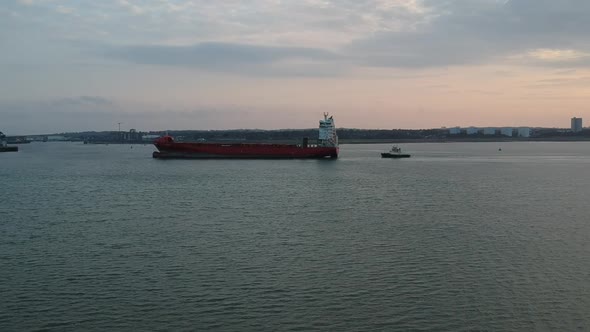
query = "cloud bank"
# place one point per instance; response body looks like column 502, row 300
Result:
column 277, row 53
column 226, row 36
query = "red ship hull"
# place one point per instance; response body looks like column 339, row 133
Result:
column 170, row 149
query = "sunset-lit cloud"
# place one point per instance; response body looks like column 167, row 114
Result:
column 450, row 62
column 557, row 55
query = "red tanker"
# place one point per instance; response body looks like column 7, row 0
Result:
column 327, row 147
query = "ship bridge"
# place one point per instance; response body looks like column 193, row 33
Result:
column 327, row 134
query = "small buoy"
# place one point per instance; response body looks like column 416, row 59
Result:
column 500, row 149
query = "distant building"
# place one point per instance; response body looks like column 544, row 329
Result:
column 472, row 131
column 576, row 125
column 150, row 137
column 506, row 132
column 489, row 131
column 132, row 135
column 524, row 132
column 455, row 131
column 56, row 138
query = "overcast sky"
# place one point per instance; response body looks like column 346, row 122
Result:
column 170, row 64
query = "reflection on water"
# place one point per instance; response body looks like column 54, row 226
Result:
column 458, row 237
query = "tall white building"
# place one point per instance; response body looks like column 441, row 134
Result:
column 472, row 131
column 576, row 125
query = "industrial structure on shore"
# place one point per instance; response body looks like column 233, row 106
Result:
column 492, row 131
column 524, row 132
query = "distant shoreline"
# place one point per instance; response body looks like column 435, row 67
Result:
column 382, row 141
column 296, row 136
column 470, row 140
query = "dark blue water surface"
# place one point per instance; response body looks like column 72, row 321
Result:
column 459, row 237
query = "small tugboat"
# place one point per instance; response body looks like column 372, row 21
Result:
column 395, row 152
column 4, row 147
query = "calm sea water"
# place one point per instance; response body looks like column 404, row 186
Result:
column 459, row 237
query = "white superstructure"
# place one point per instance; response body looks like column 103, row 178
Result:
column 327, row 135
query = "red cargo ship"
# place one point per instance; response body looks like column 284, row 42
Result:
column 327, row 147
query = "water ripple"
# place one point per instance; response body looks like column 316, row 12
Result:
column 458, row 238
